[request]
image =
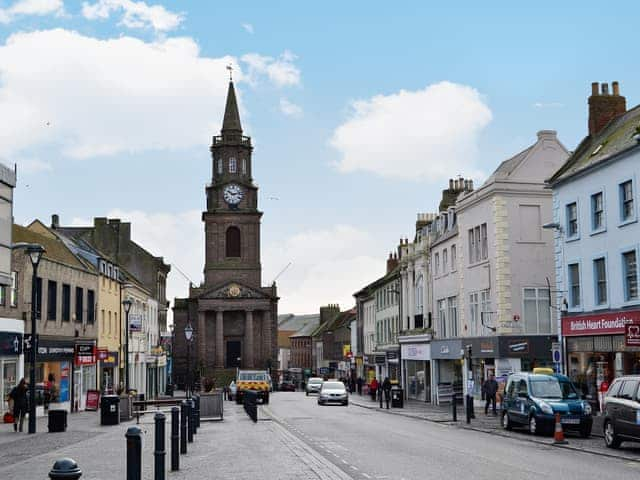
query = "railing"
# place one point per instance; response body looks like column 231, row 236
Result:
column 233, row 139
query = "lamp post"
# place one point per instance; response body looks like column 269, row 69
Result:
column 35, row 254
column 126, row 304
column 188, row 335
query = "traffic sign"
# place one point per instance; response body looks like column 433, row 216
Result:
column 29, row 343
column 556, row 354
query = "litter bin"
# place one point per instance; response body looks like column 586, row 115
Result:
column 57, row 420
column 109, row 410
column 397, row 398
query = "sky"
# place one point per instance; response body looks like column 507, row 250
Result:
column 359, row 112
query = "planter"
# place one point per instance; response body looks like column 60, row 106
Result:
column 125, row 408
column 211, row 405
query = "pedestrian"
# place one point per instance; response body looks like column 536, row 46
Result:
column 359, row 383
column 386, row 388
column 490, row 388
column 18, row 396
column 373, row 388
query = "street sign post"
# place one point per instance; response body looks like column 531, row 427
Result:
column 556, row 355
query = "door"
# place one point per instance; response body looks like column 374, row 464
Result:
column 520, row 409
column 626, row 423
column 234, row 353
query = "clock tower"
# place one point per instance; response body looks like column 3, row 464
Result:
column 232, row 219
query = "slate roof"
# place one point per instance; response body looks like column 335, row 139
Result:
column 509, row 165
column 290, row 321
column 231, row 121
column 616, row 138
column 56, row 249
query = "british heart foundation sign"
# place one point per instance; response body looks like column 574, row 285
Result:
column 632, row 335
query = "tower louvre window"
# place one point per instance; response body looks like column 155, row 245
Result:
column 233, row 245
column 220, row 166
column 233, row 165
column 244, row 166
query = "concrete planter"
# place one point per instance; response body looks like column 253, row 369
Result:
column 211, row 405
column 126, row 407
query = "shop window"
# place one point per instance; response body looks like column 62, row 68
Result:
column 66, row 302
column 572, row 220
column 574, row 285
column 233, row 248
column 52, row 299
column 627, row 212
column 537, row 310
column 600, row 279
column 597, row 211
column 630, row 272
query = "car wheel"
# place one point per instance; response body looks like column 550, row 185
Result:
column 506, row 422
column 533, row 425
column 611, row 440
column 346, row 403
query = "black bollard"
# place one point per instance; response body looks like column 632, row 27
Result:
column 160, row 452
column 469, row 408
column 183, row 427
column 454, row 407
column 134, row 453
column 198, row 411
column 175, row 439
column 65, row 469
column 190, row 421
column 380, row 394
column 194, row 414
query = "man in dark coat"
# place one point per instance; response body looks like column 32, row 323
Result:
column 490, row 388
column 20, row 404
column 386, row 388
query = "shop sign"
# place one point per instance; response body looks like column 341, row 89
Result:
column 599, row 324
column 54, row 350
column 322, row 370
column 135, row 322
column 10, row 343
column 392, row 355
column 445, row 349
column 103, row 353
column 518, row 346
column 93, row 398
column 111, row 360
column 380, row 359
column 416, row 351
column 85, row 354
column 632, row 335
column 485, row 347
column 346, row 351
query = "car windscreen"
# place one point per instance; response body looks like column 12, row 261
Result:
column 333, row 386
column 257, row 377
column 569, row 392
column 546, row 388
column 315, row 380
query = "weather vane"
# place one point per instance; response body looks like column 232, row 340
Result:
column 230, row 68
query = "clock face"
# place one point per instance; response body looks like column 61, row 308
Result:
column 233, row 194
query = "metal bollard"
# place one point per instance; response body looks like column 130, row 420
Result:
column 454, row 407
column 134, row 453
column 183, row 427
column 175, row 439
column 194, row 414
column 65, row 469
column 190, row 421
column 198, row 411
column 159, row 452
column 380, row 394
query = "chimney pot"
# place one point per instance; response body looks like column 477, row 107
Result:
column 55, row 221
column 594, row 88
column 616, row 88
column 471, row 185
column 605, row 89
column 451, row 184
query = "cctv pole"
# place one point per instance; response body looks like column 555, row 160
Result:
column 32, row 353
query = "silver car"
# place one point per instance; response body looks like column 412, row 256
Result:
column 333, row 392
column 313, row 385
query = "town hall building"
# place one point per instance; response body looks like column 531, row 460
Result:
column 234, row 318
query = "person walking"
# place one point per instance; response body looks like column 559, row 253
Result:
column 490, row 388
column 386, row 388
column 373, row 388
column 359, row 383
column 18, row 396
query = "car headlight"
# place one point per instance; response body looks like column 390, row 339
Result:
column 586, row 407
column 546, row 408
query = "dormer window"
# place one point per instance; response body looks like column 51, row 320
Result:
column 233, row 165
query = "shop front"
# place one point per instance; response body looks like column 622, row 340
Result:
column 601, row 347
column 446, row 357
column 416, row 363
column 392, row 365
column 11, row 357
column 54, row 369
column 108, row 363
column 85, row 372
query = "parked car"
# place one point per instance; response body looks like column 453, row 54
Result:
column 232, row 390
column 333, row 391
column 313, row 385
column 287, row 386
column 622, row 411
column 533, row 399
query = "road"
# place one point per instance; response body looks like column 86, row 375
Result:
column 367, row 444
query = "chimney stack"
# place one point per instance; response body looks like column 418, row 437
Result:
column 604, row 107
column 55, row 221
column 392, row 263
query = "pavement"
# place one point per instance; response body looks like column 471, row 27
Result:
column 297, row 439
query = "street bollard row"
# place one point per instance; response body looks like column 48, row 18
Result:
column 185, row 421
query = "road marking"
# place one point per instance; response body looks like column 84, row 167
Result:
column 366, row 475
column 344, row 461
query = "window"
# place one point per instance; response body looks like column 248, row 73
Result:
column 478, row 244
column 220, row 167
column 109, row 329
column 419, row 295
column 244, row 166
column 13, row 293
column 626, row 201
column 473, row 310
column 445, row 261
column 600, row 278
column 628, row 390
column 485, row 250
column 233, row 245
column 437, row 263
column 102, row 321
column 630, row 272
column 572, row 219
column 453, row 315
column 38, row 298
column 485, row 308
column 442, row 318
column 597, row 211
column 472, row 247
column 574, row 285
column 233, row 165
column 79, row 304
column 91, row 306
column 476, row 232
column 453, row 258
column 66, row 303
column 52, row 299
column 3, row 295
column 537, row 310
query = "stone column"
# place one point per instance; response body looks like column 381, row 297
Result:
column 219, row 339
column 268, row 335
column 202, row 333
column 248, row 339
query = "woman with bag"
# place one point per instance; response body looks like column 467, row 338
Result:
column 18, row 396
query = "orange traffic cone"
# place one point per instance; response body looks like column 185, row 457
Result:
column 558, row 435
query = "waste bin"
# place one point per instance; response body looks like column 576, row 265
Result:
column 109, row 410
column 397, row 398
column 57, row 420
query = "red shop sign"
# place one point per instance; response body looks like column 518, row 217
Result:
column 612, row 323
column 632, row 335
column 93, row 399
column 103, row 353
column 85, row 354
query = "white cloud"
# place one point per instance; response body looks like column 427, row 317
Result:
column 280, row 71
column 548, row 105
column 429, row 134
column 105, row 97
column 290, row 109
column 328, row 266
column 31, row 7
column 248, row 27
column 134, row 14
column 32, row 165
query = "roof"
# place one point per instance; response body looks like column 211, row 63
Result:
column 617, row 137
column 509, row 165
column 308, row 329
column 381, row 281
column 340, row 320
column 231, row 120
column 290, row 321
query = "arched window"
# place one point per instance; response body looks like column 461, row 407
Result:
column 233, row 242
column 233, row 165
column 419, row 296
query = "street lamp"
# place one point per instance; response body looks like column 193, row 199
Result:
column 126, row 304
column 188, row 335
column 35, row 252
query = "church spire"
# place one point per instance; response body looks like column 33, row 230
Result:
column 231, row 122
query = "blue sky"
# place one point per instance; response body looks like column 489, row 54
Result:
column 359, row 112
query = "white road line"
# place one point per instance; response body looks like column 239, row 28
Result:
column 366, row 475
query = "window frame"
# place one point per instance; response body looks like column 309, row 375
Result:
column 579, row 306
column 623, row 270
column 633, row 216
column 596, row 281
column 568, row 220
column 539, row 300
column 593, row 212
column 454, row 254
column 13, row 290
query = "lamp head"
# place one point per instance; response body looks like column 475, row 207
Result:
column 126, row 303
column 35, row 252
column 188, row 332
